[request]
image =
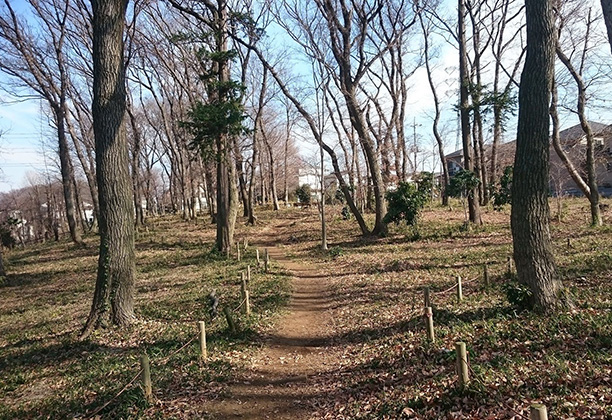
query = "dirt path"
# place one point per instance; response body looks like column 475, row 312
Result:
column 283, row 379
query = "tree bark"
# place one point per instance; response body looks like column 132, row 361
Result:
column 468, row 161
column 2, row 270
column 114, row 295
column 535, row 263
column 227, row 204
column 136, row 177
column 67, row 172
column 606, row 6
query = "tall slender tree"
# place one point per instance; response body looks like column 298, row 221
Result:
column 535, row 263
column 113, row 300
column 468, row 155
column 2, row 270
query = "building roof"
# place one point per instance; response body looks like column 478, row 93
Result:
column 569, row 135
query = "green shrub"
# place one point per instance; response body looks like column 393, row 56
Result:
column 518, row 294
column 503, row 195
column 303, row 194
column 405, row 204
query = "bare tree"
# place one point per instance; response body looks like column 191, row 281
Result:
column 578, row 75
column 38, row 63
column 468, row 158
column 437, row 111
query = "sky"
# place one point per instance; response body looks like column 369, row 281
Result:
column 20, row 143
column 24, row 129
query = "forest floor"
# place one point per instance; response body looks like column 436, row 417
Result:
column 335, row 334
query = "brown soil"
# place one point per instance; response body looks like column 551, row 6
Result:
column 285, row 379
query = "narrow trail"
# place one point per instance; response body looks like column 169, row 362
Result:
column 282, row 381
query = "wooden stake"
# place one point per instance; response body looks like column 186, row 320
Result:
column 146, row 377
column 538, row 412
column 459, row 289
column 257, row 255
column 248, row 279
column 243, row 286
column 202, row 328
column 426, row 297
column 246, row 243
column 429, row 324
column 462, row 364
column 247, row 303
column 230, row 319
column 237, row 251
column 485, row 276
column 267, row 261
column 509, row 266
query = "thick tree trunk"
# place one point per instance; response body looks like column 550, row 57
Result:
column 535, row 263
column 114, row 295
column 468, row 161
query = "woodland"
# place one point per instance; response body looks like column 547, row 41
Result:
column 239, row 220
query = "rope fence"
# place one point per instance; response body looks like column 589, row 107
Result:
column 463, row 368
column 144, row 370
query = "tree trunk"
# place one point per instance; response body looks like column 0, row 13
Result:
column 468, row 161
column 272, row 172
column 67, row 171
column 323, row 222
column 227, row 203
column 241, row 181
column 569, row 165
column 136, row 178
column 606, row 5
column 436, row 121
column 586, row 128
column 535, row 263
column 2, row 270
column 114, row 295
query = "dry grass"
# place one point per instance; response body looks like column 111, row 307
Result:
column 47, row 372
column 518, row 358
column 386, row 370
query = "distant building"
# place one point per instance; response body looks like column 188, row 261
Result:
column 573, row 141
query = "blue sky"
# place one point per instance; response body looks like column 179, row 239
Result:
column 20, row 145
column 25, row 130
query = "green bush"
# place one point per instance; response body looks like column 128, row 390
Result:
column 518, row 294
column 463, row 183
column 303, row 194
column 503, row 195
column 405, row 204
